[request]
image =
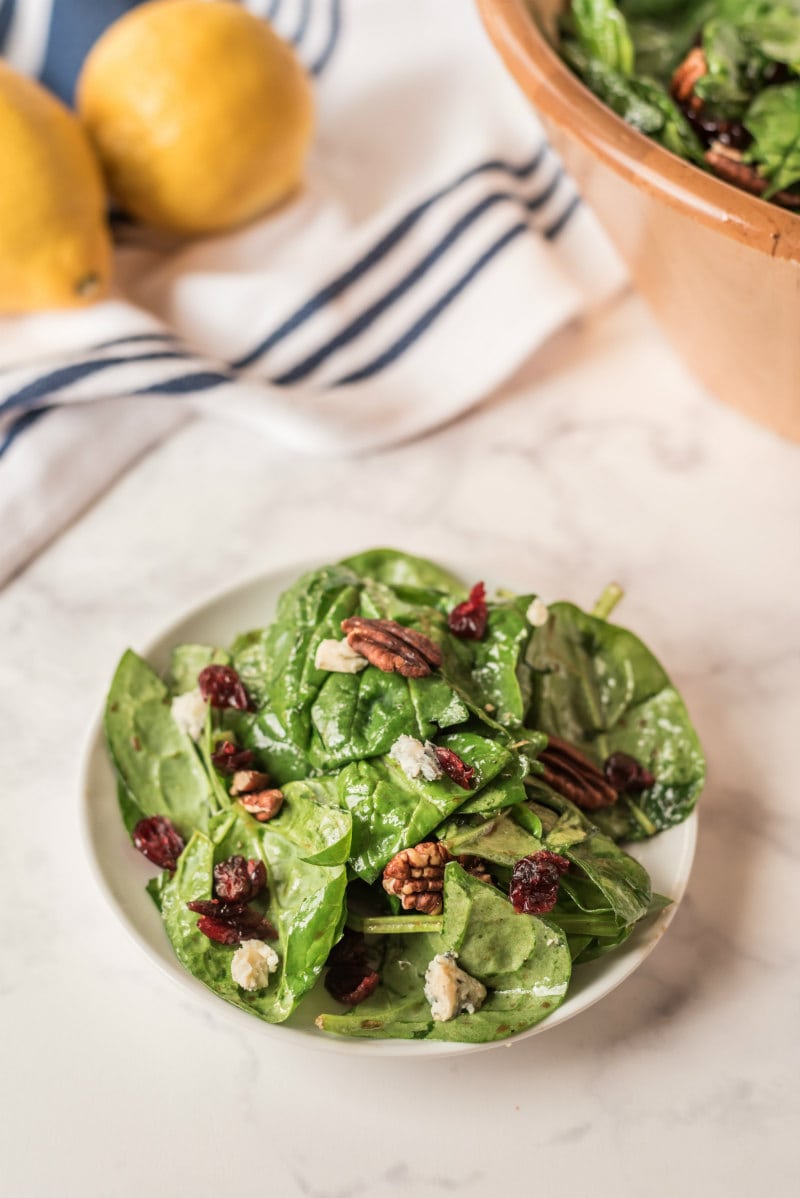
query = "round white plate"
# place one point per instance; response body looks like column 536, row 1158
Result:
column 123, row 872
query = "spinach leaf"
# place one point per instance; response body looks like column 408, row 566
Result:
column 598, row 687
column 643, row 103
column 186, row 662
column 663, row 32
column 773, row 119
column 500, row 678
column 500, row 840
column 306, row 899
column 524, row 962
column 155, row 760
column 610, row 879
column 361, row 715
column 402, row 570
column 391, row 811
column 602, row 33
column 733, row 71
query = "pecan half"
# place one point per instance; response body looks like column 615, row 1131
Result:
column 263, row 805
column 416, row 876
column 245, row 782
column 575, row 777
column 728, row 163
column 687, row 74
column 392, row 647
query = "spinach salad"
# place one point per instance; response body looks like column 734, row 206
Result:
column 714, row 81
column 407, row 790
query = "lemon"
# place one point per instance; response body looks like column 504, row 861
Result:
column 200, row 113
column 55, row 248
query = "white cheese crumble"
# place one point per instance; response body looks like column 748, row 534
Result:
column 450, row 990
column 338, row 658
column 252, row 964
column 415, row 758
column 538, row 613
column 189, row 712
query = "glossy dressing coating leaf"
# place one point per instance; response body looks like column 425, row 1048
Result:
column 523, row 960
column 157, row 762
column 391, row 811
column 306, row 904
column 598, row 687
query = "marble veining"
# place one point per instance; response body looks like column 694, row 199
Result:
column 600, row 460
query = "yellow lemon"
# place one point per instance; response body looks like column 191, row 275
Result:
column 200, row 113
column 55, row 247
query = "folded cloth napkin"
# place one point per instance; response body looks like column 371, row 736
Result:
column 436, row 244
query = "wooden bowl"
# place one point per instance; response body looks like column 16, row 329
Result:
column 719, row 268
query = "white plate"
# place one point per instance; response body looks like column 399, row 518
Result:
column 123, row 872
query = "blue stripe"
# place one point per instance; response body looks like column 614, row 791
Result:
column 167, row 338
column 399, row 347
column 305, row 13
column 272, row 11
column 379, row 251
column 359, row 325
column 203, row 380
column 6, row 13
column 319, row 64
column 45, row 385
column 19, row 426
column 553, row 230
column 405, row 342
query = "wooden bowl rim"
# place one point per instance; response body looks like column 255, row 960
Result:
column 565, row 100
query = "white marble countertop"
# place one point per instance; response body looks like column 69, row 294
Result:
column 601, row 460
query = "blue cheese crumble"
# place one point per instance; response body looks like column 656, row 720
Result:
column 189, row 712
column 449, row 990
column 415, row 758
column 252, row 965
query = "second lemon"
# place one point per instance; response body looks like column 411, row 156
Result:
column 201, row 115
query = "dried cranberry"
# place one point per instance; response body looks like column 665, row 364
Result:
column 351, row 984
column 237, row 880
column 242, row 922
column 535, row 881
column 215, row 929
column 625, row 773
column 222, row 687
column 159, row 840
column 228, row 757
column 350, row 950
column 461, row 773
column 468, row 619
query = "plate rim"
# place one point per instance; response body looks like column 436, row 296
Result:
column 94, row 744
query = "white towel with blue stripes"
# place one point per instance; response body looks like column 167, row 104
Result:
column 436, row 244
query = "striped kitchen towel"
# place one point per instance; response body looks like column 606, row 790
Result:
column 436, row 244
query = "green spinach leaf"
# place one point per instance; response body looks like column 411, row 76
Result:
column 306, row 899
column 598, row 687
column 156, row 761
column 391, row 811
column 524, row 962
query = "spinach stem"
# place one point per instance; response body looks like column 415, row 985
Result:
column 608, row 601
column 388, row 925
